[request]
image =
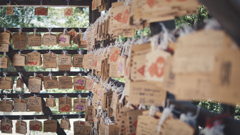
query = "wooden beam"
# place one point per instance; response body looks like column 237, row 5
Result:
column 42, row 29
column 44, row 95
column 54, row 73
column 31, row 117
column 49, row 3
column 45, row 51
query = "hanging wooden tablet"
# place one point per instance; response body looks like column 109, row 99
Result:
column 65, row 104
column 21, row 127
column 6, row 83
column 64, row 62
column 111, row 130
column 49, row 60
column 155, row 63
column 4, row 62
column 50, row 83
column 73, row 33
column 50, row 102
column 76, row 40
column 114, row 55
column 19, row 60
column 50, row 126
column 194, row 55
column 6, row 125
column 225, row 75
column 35, row 40
column 64, row 39
column 6, row 106
column 79, row 83
column 65, row 82
column 9, row 11
column 4, row 47
column 20, row 83
column 5, row 38
column 77, row 60
column 79, row 128
column 83, row 42
column 65, row 124
column 20, row 106
column 34, row 84
column 132, row 121
column 171, row 127
column 89, row 114
column 35, row 125
column 19, row 40
column 146, row 93
column 49, row 39
column 79, row 106
column 68, row 11
column 41, row 11
column 35, row 104
column 34, row 59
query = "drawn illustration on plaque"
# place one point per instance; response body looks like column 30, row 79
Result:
column 80, row 107
column 141, row 70
column 65, row 108
column 120, row 66
column 35, row 127
column 42, row 11
column 6, row 127
column 151, row 3
column 95, row 64
column 157, row 68
column 114, row 56
column 63, row 39
column 118, row 17
column 80, row 81
column 125, row 17
column 68, row 12
column 225, row 73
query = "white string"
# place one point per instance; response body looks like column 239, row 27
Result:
column 188, row 118
column 49, row 117
column 80, row 31
column 20, row 118
column 35, row 29
column 64, row 31
column 20, row 75
column 80, row 97
column 20, row 31
column 50, row 75
column 65, row 97
column 64, row 117
column 166, row 113
column 153, row 109
column 5, row 75
column 80, row 52
column 34, row 74
column 5, row 118
column 64, row 52
column 4, row 54
column 35, row 119
column 5, row 98
column 20, row 97
column 80, row 74
column 50, row 96
column 49, row 30
column 19, row 52
column 65, row 74
column 5, row 29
